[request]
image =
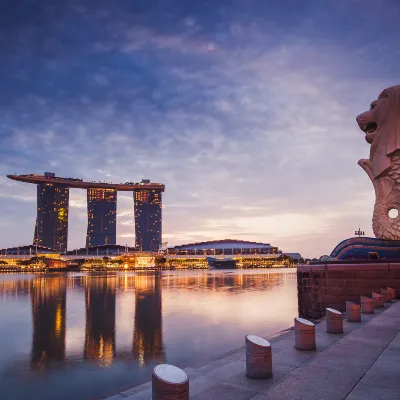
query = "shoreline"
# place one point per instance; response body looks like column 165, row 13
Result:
column 306, row 374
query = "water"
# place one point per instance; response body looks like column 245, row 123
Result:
column 88, row 336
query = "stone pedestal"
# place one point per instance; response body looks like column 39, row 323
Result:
column 353, row 311
column 258, row 358
column 304, row 334
column 387, row 296
column 378, row 300
column 334, row 321
column 169, row 383
column 367, row 305
column 392, row 292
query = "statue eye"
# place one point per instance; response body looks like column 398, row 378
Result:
column 373, row 105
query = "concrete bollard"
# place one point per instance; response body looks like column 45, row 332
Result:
column 334, row 321
column 367, row 305
column 304, row 334
column 387, row 296
column 378, row 300
column 169, row 382
column 258, row 358
column 392, row 292
column 353, row 311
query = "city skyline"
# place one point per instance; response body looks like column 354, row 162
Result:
column 245, row 110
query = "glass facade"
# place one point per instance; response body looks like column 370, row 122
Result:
column 52, row 216
column 147, row 205
column 102, row 217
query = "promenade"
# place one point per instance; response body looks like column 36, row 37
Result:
column 361, row 363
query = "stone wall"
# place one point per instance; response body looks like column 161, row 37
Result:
column 330, row 284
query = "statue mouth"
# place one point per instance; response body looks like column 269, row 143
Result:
column 369, row 129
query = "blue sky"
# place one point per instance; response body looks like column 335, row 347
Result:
column 245, row 109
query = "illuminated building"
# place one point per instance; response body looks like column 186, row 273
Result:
column 49, row 299
column 148, row 205
column 100, row 320
column 102, row 217
column 147, row 336
column 52, row 216
column 226, row 247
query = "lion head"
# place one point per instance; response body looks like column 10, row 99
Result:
column 381, row 125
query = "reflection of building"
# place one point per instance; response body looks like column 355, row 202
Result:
column 102, row 217
column 100, row 319
column 52, row 216
column 48, row 296
column 147, row 337
column 147, row 205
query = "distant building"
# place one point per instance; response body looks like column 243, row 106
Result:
column 102, row 217
column 51, row 228
column 103, row 250
column 296, row 257
column 27, row 250
column 224, row 247
column 52, row 210
column 147, row 205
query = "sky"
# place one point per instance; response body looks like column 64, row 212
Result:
column 244, row 109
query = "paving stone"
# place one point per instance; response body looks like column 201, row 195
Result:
column 257, row 385
column 228, row 370
column 136, row 389
column 288, row 355
column 224, row 392
column 143, row 395
column 385, row 372
column 341, row 356
column 116, row 397
column 312, row 383
column 368, row 392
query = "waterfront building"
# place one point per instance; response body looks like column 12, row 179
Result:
column 51, row 228
column 227, row 247
column 52, row 214
column 102, row 217
column 29, row 250
column 148, row 206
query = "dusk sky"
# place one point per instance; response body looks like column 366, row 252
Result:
column 244, row 109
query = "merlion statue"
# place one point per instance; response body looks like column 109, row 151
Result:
column 381, row 125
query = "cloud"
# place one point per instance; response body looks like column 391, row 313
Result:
column 247, row 117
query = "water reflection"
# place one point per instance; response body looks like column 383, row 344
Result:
column 147, row 336
column 49, row 299
column 100, row 293
column 114, row 327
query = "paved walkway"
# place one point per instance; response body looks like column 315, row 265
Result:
column 362, row 363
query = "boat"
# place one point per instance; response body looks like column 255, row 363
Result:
column 221, row 263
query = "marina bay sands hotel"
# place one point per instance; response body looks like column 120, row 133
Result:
column 51, row 228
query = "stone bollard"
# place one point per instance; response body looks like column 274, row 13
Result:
column 353, row 311
column 392, row 292
column 258, row 358
column 387, row 296
column 334, row 321
column 367, row 305
column 378, row 300
column 304, row 334
column 169, row 382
